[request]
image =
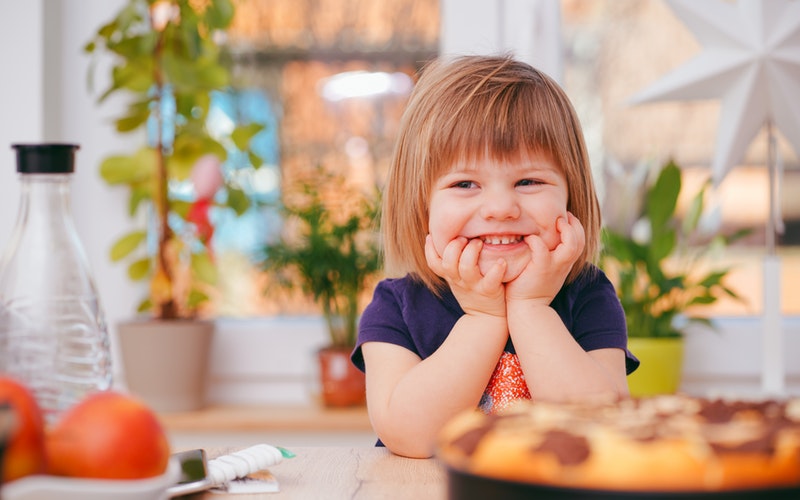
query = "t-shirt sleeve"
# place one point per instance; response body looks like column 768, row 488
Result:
column 382, row 321
column 599, row 320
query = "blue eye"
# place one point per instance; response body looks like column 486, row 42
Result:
column 528, row 182
column 463, row 184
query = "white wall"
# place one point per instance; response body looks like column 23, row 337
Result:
column 44, row 98
column 528, row 29
column 21, row 103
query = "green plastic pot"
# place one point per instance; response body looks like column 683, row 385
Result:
column 661, row 366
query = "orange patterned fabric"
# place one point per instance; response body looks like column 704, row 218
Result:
column 506, row 385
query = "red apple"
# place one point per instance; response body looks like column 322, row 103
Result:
column 25, row 449
column 108, row 435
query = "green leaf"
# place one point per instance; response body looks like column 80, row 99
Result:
column 136, row 168
column 193, row 107
column 714, row 278
column 139, row 269
column 111, row 89
column 108, row 29
column 695, row 211
column 242, row 135
column 185, row 36
column 663, row 197
column 139, row 193
column 134, row 76
column 738, row 235
column 619, row 247
column 117, row 169
column 255, row 160
column 137, row 49
column 127, row 244
column 196, row 297
column 145, row 305
column 213, row 76
column 189, row 148
column 131, row 122
column 238, row 200
column 180, row 207
column 662, row 244
column 219, row 14
column 129, row 16
column 703, row 300
column 203, row 268
column 190, row 74
column 732, row 293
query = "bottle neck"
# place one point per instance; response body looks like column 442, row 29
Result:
column 44, row 237
column 50, row 192
column 45, row 197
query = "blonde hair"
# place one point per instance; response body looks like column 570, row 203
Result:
column 466, row 109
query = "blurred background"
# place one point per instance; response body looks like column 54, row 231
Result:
column 329, row 80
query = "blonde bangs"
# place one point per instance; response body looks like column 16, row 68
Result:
column 496, row 124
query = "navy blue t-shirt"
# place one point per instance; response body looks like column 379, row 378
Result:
column 404, row 312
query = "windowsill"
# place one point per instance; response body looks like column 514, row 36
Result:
column 246, row 418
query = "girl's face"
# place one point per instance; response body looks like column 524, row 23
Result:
column 499, row 203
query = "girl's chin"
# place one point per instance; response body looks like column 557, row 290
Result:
column 515, row 266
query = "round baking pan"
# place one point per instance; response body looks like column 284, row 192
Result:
column 463, row 486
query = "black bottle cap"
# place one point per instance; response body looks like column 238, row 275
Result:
column 45, row 158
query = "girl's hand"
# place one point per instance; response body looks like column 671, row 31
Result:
column 545, row 274
column 458, row 265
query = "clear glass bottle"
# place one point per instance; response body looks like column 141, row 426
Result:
column 53, row 334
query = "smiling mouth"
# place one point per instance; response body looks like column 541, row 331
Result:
column 507, row 239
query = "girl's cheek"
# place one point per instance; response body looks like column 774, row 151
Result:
column 437, row 239
column 439, row 244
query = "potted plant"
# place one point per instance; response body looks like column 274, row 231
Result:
column 167, row 62
column 657, row 265
column 329, row 250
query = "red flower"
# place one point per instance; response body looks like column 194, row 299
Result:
column 198, row 215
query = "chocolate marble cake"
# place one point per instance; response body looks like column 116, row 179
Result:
column 672, row 443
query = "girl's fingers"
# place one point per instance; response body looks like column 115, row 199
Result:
column 452, row 254
column 468, row 261
column 538, row 247
column 459, row 260
column 458, row 264
column 573, row 238
column 494, row 276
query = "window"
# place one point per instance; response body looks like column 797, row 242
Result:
column 290, row 58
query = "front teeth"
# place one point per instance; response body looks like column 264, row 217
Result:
column 501, row 240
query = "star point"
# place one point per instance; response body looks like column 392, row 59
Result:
column 750, row 59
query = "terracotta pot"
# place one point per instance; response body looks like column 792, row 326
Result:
column 342, row 383
column 661, row 365
column 166, row 362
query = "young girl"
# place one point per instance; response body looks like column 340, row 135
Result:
column 491, row 222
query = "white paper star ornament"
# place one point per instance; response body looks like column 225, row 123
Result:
column 751, row 60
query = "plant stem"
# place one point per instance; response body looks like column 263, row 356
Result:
column 165, row 308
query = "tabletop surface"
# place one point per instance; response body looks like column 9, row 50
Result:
column 351, row 473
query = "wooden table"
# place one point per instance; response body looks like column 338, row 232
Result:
column 368, row 473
